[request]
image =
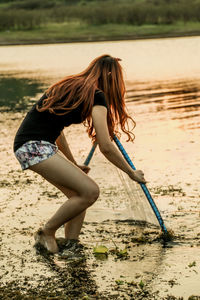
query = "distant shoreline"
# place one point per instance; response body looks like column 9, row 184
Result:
column 100, row 39
column 35, row 22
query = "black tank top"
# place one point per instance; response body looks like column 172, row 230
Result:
column 47, row 126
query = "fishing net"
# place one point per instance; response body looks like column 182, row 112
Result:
column 121, row 198
column 138, row 208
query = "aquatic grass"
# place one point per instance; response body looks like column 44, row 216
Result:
column 167, row 237
column 119, row 282
column 169, row 190
column 193, row 264
column 141, row 284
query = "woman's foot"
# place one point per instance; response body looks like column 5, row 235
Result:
column 73, row 250
column 47, row 240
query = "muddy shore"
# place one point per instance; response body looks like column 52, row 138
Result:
column 148, row 270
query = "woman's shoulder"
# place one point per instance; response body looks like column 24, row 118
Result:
column 40, row 101
column 99, row 98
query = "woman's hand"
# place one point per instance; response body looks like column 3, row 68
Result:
column 138, row 176
column 84, row 168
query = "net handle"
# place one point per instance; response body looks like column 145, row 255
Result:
column 90, row 154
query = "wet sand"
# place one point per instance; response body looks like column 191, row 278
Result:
column 150, row 270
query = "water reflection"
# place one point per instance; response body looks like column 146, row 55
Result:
column 18, row 94
column 182, row 98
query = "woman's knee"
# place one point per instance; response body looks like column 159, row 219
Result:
column 91, row 194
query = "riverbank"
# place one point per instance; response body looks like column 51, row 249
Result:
column 68, row 32
column 27, row 201
column 163, row 98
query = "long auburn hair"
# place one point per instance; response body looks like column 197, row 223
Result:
column 105, row 74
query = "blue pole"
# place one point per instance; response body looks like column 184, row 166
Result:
column 89, row 157
column 143, row 186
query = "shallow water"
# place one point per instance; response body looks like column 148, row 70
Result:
column 162, row 78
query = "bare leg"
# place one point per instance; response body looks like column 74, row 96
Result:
column 61, row 172
column 73, row 227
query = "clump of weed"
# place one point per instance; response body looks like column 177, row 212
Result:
column 167, row 236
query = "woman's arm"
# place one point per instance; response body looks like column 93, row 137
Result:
column 99, row 118
column 64, row 147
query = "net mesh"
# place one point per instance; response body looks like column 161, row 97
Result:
column 121, row 198
column 137, row 206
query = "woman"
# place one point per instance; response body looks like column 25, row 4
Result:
column 96, row 98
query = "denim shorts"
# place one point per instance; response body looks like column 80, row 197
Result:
column 33, row 152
